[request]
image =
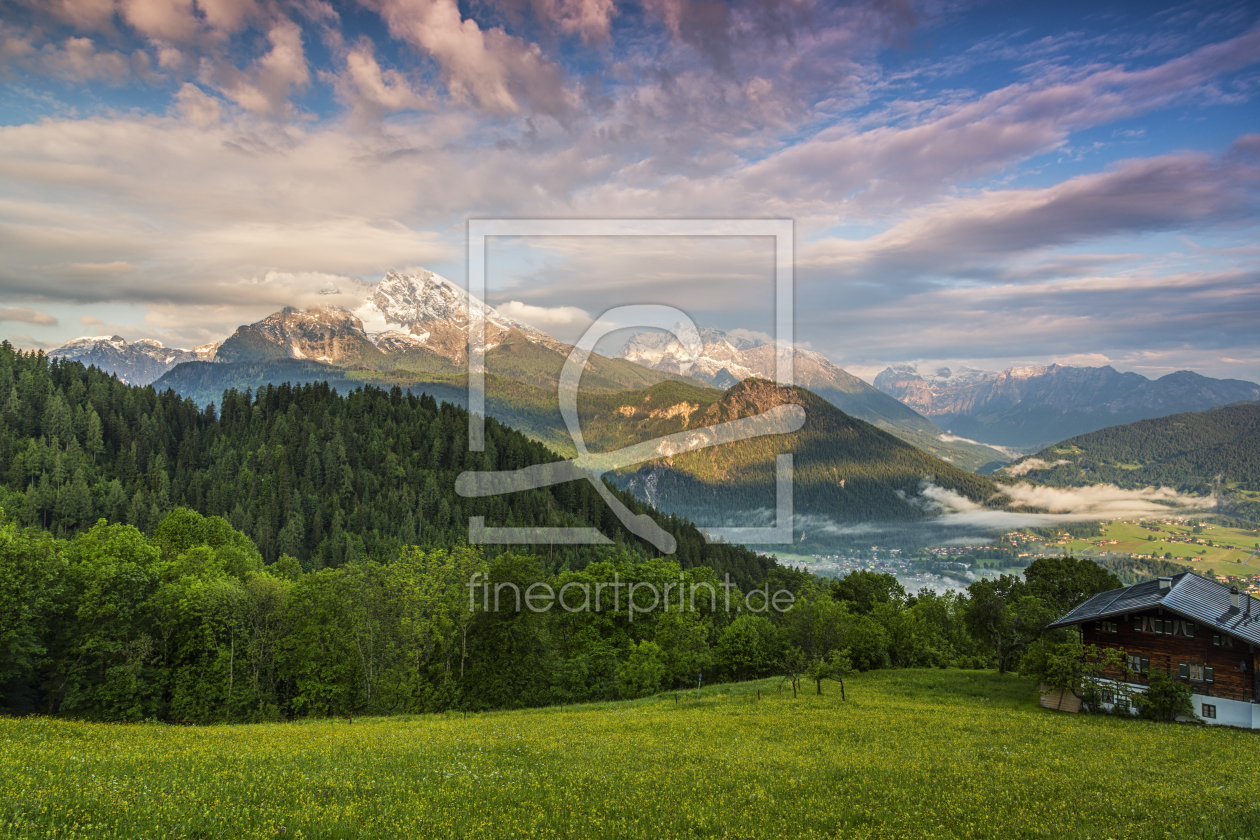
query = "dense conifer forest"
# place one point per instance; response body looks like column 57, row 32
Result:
column 301, row 470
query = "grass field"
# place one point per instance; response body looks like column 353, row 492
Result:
column 1232, row 545
column 911, row 754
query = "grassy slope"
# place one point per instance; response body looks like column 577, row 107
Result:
column 911, row 754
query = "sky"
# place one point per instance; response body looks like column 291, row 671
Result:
column 970, row 184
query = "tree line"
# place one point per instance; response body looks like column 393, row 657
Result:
column 190, row 624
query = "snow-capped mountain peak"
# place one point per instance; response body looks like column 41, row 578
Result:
column 138, row 363
column 413, row 301
column 405, row 313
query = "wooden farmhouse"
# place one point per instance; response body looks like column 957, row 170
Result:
column 1200, row 632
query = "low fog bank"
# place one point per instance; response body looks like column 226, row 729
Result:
column 956, row 520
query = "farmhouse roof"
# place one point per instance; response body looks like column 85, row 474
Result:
column 1187, row 594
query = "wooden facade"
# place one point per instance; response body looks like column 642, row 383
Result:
column 1211, row 662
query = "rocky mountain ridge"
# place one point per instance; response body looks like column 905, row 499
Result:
column 726, row 359
column 136, row 363
column 417, row 321
column 1038, row 405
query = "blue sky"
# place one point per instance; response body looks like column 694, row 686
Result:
column 983, row 184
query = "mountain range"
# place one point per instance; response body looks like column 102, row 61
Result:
column 1032, row 407
column 726, row 359
column 412, row 328
column 137, row 363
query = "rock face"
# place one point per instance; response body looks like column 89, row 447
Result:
column 138, row 363
column 1028, row 406
column 408, row 319
column 327, row 334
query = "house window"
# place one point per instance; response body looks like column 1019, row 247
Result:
column 1209, row 711
column 1135, row 663
column 1193, row 671
column 1222, row 641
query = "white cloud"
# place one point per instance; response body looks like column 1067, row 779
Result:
column 1064, row 506
column 564, row 322
column 955, row 438
column 22, row 315
column 166, row 20
column 1171, row 191
column 199, row 109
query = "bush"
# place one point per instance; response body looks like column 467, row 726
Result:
column 642, row 672
column 1166, row 699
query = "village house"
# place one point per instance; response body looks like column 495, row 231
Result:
column 1198, row 631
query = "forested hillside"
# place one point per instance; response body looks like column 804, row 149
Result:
column 844, row 469
column 1193, row 451
column 300, row 469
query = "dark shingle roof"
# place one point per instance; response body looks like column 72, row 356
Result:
column 1205, row 601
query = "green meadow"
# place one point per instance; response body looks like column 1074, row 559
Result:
column 909, row 754
column 1227, row 555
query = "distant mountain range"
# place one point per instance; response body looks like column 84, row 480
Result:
column 1215, row 450
column 138, row 363
column 1035, row 406
column 727, row 359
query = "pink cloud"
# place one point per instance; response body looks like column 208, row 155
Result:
column 168, row 20
column 265, row 86
column 372, row 91
column 497, row 71
column 1167, row 192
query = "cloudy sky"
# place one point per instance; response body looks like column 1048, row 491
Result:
column 987, row 184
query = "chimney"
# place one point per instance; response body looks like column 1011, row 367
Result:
column 1165, row 583
column 1234, row 599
